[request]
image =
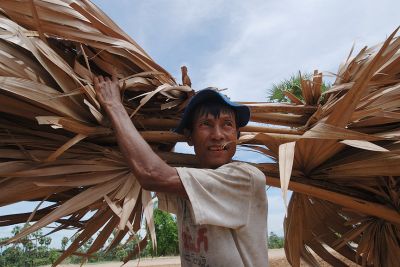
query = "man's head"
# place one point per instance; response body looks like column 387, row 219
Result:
column 211, row 123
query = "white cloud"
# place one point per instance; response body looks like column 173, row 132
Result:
column 249, row 45
column 183, row 147
column 271, row 41
column 275, row 223
column 5, row 231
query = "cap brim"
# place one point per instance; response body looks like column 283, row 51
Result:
column 242, row 111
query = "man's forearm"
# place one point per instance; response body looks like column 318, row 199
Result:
column 151, row 171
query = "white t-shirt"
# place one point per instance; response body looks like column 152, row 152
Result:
column 225, row 221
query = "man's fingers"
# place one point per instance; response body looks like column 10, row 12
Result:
column 101, row 82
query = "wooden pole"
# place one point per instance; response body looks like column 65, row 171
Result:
column 172, row 137
column 265, row 129
column 356, row 204
column 280, row 119
column 280, row 107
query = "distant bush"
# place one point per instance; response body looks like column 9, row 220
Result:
column 166, row 233
column 275, row 241
column 33, row 250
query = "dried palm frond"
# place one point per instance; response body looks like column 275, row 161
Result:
column 49, row 53
column 349, row 154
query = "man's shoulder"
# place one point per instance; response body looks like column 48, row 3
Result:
column 245, row 167
column 240, row 170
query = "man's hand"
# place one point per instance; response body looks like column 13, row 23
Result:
column 107, row 91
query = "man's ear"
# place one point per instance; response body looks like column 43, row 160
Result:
column 188, row 136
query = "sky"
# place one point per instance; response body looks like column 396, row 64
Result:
column 247, row 46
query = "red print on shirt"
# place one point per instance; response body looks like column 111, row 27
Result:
column 193, row 243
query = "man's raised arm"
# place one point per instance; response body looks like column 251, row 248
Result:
column 151, row 171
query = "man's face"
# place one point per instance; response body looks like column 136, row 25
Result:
column 214, row 139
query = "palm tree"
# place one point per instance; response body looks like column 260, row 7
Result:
column 279, row 92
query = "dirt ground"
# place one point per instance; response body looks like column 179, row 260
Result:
column 276, row 259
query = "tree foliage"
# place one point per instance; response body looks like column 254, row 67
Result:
column 167, row 235
column 33, row 250
column 292, row 85
column 275, row 241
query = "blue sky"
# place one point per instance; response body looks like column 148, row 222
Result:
column 247, row 46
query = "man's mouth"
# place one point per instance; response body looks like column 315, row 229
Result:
column 218, row 148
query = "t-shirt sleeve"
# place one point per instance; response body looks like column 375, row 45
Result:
column 221, row 197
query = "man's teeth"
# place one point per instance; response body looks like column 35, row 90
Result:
column 217, row 148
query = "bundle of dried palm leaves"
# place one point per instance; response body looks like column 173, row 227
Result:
column 56, row 145
column 345, row 164
column 340, row 150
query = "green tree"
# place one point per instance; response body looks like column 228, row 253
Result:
column 12, row 256
column 64, row 243
column 275, row 241
column 33, row 250
column 167, row 235
column 292, row 85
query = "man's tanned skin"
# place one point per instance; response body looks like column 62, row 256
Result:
column 214, row 139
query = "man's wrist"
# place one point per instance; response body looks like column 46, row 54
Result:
column 113, row 106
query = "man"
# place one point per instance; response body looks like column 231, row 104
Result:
column 221, row 208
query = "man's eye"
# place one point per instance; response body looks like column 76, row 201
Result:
column 228, row 123
column 205, row 123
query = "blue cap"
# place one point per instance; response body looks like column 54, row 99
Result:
column 242, row 111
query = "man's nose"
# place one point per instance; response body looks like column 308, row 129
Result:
column 217, row 133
